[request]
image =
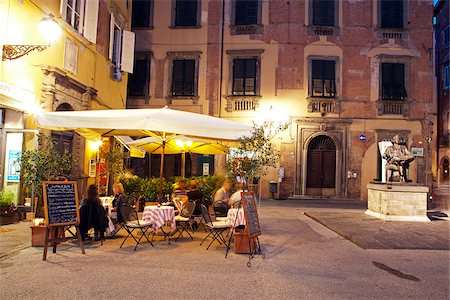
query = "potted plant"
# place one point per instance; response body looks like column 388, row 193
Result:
column 8, row 210
column 39, row 165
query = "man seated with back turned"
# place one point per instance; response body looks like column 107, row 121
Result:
column 221, row 198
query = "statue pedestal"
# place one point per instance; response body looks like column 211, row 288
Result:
column 397, row 201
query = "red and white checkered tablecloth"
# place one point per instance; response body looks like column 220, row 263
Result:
column 158, row 215
column 231, row 215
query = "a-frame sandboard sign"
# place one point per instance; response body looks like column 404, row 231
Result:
column 252, row 227
column 61, row 209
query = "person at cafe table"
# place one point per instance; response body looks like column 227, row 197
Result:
column 119, row 199
column 92, row 215
column 235, row 199
column 221, row 199
column 180, row 192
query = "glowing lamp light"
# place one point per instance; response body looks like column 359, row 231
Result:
column 49, row 29
column 95, row 145
column 179, row 143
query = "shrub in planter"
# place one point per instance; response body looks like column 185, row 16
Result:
column 8, row 210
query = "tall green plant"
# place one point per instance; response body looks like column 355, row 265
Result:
column 256, row 153
column 114, row 159
column 44, row 163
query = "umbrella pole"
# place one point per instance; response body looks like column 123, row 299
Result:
column 161, row 172
column 183, row 164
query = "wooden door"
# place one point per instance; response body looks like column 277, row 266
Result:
column 321, row 163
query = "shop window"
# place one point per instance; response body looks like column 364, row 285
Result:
column 323, row 12
column 246, row 12
column 186, row 13
column 323, row 78
column 392, row 14
column 139, row 81
column 183, row 77
column 142, row 14
column 393, row 81
column 244, row 77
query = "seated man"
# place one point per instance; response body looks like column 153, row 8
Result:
column 398, row 158
column 221, row 198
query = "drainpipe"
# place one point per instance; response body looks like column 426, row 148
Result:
column 221, row 56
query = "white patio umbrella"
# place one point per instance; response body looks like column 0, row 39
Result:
column 163, row 123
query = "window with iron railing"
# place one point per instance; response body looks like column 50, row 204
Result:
column 244, row 77
column 393, row 81
column 323, row 78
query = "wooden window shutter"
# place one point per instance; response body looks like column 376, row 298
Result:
column 91, row 21
column 111, row 36
column 127, row 59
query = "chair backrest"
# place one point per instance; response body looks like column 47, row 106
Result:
column 205, row 214
column 188, row 210
column 128, row 213
column 178, row 204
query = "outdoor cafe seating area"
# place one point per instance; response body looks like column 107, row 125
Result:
column 172, row 221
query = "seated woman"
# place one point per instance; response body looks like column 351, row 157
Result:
column 235, row 198
column 92, row 215
column 180, row 193
column 195, row 195
column 119, row 199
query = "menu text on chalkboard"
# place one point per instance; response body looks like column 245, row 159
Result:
column 251, row 214
column 61, row 203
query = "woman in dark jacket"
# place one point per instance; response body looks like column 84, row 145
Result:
column 119, row 199
column 92, row 215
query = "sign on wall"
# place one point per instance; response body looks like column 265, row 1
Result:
column 417, row 151
column 13, row 172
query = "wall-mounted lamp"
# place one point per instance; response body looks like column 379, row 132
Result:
column 49, row 30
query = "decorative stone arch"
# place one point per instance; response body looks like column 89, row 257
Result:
column 337, row 131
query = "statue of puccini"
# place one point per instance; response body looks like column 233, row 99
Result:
column 398, row 159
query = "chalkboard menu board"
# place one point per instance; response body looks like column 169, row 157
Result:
column 251, row 214
column 60, row 203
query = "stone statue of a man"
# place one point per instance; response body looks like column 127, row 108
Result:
column 398, row 158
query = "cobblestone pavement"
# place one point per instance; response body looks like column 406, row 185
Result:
column 303, row 260
column 372, row 233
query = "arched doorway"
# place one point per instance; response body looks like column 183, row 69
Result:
column 321, row 166
column 63, row 139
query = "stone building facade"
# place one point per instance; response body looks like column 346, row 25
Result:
column 442, row 72
column 344, row 74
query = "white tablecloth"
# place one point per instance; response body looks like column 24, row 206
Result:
column 231, row 215
column 158, row 215
column 107, row 204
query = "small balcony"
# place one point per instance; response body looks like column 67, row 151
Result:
column 390, row 33
column 246, row 29
column 236, row 103
column 323, row 30
column 323, row 106
column 399, row 108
